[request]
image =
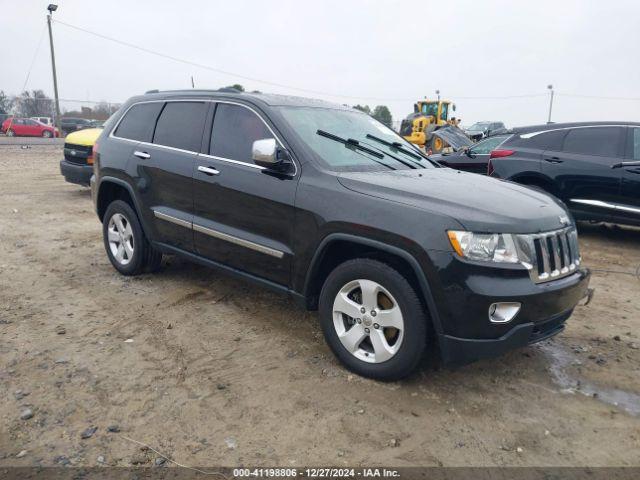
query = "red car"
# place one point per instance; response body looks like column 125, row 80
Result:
column 26, row 127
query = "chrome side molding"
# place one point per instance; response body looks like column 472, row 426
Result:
column 602, row 204
column 219, row 235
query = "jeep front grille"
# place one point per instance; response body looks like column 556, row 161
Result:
column 553, row 254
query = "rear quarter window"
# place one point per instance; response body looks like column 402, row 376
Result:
column 139, row 122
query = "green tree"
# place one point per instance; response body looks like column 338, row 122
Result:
column 363, row 108
column 383, row 115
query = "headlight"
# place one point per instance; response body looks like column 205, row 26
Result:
column 488, row 247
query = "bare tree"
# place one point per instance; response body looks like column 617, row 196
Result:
column 34, row 104
column 6, row 103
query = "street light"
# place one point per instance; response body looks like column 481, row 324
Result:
column 52, row 8
column 550, row 87
column 438, row 93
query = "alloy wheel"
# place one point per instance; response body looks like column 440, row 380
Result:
column 120, row 237
column 368, row 321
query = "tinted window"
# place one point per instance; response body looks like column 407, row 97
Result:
column 551, row 140
column 636, row 144
column 235, row 129
column 180, row 125
column 602, row 141
column 138, row 123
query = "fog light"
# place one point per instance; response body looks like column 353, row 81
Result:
column 503, row 312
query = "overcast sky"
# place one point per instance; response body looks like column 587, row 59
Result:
column 354, row 51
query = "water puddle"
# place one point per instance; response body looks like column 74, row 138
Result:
column 561, row 359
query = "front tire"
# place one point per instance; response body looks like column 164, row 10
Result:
column 373, row 320
column 127, row 247
column 47, row 134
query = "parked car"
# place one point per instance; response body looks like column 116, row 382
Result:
column 593, row 167
column 472, row 158
column 481, row 130
column 77, row 165
column 25, row 127
column 328, row 205
column 44, row 120
column 71, row 124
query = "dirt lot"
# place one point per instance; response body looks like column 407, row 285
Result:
column 214, row 371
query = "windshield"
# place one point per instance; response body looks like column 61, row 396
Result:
column 354, row 126
column 479, row 126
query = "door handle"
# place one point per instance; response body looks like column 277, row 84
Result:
column 553, row 160
column 208, row 170
column 142, row 155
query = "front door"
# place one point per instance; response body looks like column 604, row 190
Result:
column 243, row 213
column 582, row 169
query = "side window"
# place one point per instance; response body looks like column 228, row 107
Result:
column 602, row 141
column 31, row 123
column 235, row 128
column 180, row 125
column 636, row 144
column 486, row 146
column 138, row 123
column 551, row 140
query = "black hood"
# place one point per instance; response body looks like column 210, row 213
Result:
column 480, row 204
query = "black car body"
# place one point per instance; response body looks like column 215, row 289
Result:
column 480, row 130
column 72, row 124
column 593, row 167
column 473, row 158
column 304, row 196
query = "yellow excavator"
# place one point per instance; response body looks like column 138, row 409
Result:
column 429, row 116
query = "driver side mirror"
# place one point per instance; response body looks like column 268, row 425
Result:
column 267, row 154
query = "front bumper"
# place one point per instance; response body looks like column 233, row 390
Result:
column 74, row 173
column 468, row 289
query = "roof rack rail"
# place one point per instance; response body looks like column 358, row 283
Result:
column 155, row 90
column 229, row 90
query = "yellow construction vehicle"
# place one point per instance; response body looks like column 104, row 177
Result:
column 427, row 117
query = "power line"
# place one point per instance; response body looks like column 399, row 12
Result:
column 598, row 97
column 318, row 92
column 276, row 84
column 33, row 60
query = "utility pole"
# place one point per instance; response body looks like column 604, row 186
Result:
column 550, row 87
column 193, row 85
column 52, row 8
column 438, row 93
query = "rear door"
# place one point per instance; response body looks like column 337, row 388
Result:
column 629, row 208
column 164, row 139
column 32, row 128
column 243, row 213
column 582, row 171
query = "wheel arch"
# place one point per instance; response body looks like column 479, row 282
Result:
column 339, row 247
column 112, row 188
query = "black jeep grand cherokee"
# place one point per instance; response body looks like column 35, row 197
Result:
column 327, row 204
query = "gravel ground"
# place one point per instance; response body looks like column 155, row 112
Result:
column 213, row 371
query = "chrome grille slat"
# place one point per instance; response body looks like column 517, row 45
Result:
column 555, row 254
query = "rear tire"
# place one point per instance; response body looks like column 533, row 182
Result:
column 387, row 344
column 127, row 247
column 11, row 133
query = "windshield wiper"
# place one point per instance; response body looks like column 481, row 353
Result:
column 355, row 144
column 397, row 145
